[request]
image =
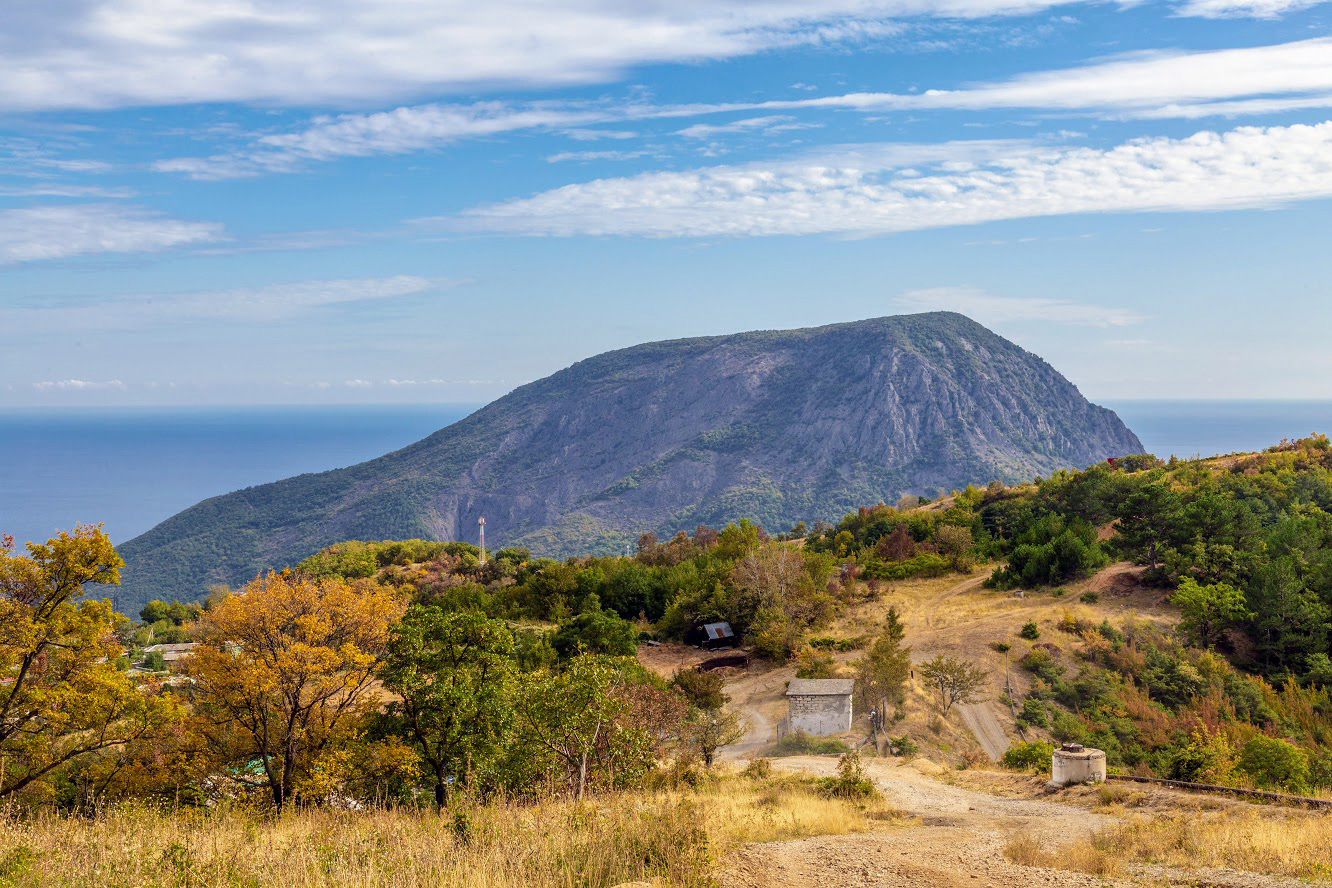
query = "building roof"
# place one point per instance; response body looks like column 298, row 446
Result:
column 820, row 687
column 718, row 630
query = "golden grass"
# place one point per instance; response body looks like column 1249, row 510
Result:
column 1088, row 855
column 1261, row 841
column 1267, row 842
column 675, row 837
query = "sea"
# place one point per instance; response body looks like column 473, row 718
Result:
column 130, row 468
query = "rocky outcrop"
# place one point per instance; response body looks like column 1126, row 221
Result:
column 775, row 427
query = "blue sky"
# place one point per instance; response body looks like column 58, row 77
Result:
column 300, row 202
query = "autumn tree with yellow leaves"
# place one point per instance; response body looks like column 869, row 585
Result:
column 62, row 697
column 283, row 673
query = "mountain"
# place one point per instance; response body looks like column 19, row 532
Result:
column 773, row 426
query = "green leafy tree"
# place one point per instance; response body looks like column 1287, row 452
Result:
column 573, row 715
column 595, row 632
column 957, row 681
column 1206, row 611
column 1147, row 518
column 1275, row 763
column 711, row 729
column 702, row 689
column 882, row 673
column 453, row 674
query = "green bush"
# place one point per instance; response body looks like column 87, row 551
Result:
column 1033, row 713
column 850, row 782
column 1030, row 632
column 1275, row 763
column 902, row 746
column 800, row 743
column 1034, row 756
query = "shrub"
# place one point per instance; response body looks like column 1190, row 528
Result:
column 1275, row 763
column 1089, row 598
column 758, row 769
column 812, row 663
column 1033, row 713
column 800, row 743
column 850, row 782
column 1033, row 756
column 1030, row 632
column 902, row 746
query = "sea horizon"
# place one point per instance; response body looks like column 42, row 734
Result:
column 151, row 461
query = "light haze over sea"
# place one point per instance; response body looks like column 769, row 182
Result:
column 133, row 467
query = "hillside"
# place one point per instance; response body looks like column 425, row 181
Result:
column 775, row 427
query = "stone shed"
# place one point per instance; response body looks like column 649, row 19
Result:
column 820, row 706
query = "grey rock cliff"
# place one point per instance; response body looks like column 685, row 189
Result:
column 775, row 427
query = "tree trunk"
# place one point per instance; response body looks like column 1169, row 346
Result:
column 582, row 775
column 441, row 790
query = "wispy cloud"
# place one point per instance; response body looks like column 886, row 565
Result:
column 58, row 190
column 262, row 304
column 598, row 155
column 56, row 232
column 1151, row 84
column 1229, row 82
column 991, row 309
column 398, row 131
column 1245, row 167
column 120, row 53
column 78, row 385
column 749, row 124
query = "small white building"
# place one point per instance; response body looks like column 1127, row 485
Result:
column 820, row 706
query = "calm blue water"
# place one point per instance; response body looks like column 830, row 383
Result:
column 131, row 468
column 1208, row 428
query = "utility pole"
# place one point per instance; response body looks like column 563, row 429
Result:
column 481, row 522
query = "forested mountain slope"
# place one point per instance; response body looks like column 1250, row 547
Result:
column 774, row 426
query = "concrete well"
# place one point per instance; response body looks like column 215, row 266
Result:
column 1075, row 764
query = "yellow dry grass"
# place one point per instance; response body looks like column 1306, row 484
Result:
column 672, row 836
column 1255, row 840
column 1085, row 856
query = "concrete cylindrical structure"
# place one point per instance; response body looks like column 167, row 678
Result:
column 1075, row 764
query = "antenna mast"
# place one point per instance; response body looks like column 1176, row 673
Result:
column 481, row 522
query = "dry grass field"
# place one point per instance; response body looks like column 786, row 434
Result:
column 675, row 837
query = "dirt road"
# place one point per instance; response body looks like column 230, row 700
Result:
column 960, row 841
column 981, row 721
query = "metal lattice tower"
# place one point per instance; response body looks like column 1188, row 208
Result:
column 481, row 522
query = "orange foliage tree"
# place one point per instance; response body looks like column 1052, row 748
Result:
column 62, row 696
column 283, row 671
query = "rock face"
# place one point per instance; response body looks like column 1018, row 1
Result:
column 776, row 427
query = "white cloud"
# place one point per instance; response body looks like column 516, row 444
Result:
column 398, row 131
column 118, row 53
column 56, row 232
column 1265, row 9
column 78, row 385
column 263, row 304
column 1152, row 84
column 1230, row 82
column 708, row 131
column 597, row 155
column 990, row 309
column 58, row 190
column 1243, row 168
